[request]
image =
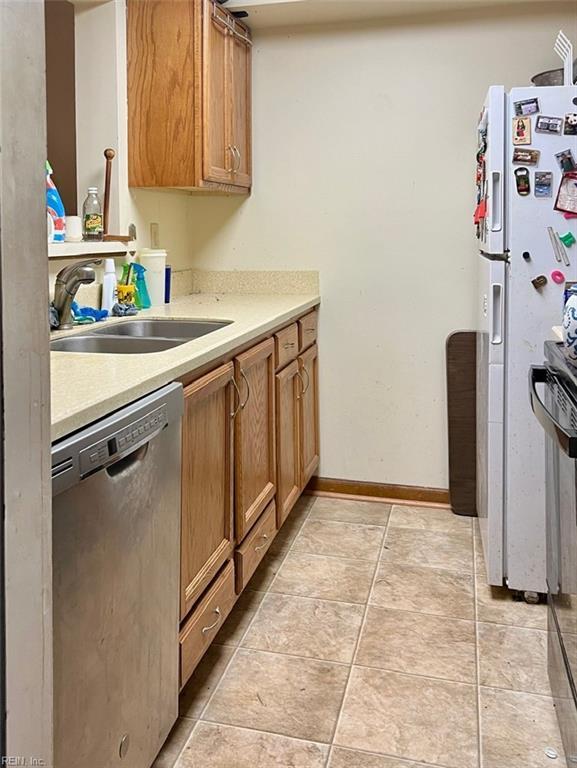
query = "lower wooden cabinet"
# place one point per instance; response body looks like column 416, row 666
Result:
column 254, row 444
column 252, row 550
column 309, row 414
column 207, row 536
column 205, row 621
column 288, row 392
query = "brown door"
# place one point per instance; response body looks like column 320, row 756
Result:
column 255, row 460
column 288, row 392
column 241, row 128
column 218, row 156
column 309, row 414
column 207, row 474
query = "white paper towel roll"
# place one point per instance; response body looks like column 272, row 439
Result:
column 154, row 261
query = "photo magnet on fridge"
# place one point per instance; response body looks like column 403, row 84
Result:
column 526, row 156
column 567, row 194
column 526, row 107
column 543, row 184
column 521, row 130
column 549, row 124
column 570, row 125
column 566, row 161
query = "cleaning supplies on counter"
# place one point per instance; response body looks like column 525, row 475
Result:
column 142, row 298
column 55, row 209
column 154, row 261
column 108, row 285
column 92, row 218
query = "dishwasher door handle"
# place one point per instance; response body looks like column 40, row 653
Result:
column 566, row 438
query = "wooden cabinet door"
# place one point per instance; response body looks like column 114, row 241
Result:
column 207, row 473
column 288, row 392
column 255, row 459
column 241, row 117
column 218, row 156
column 309, row 414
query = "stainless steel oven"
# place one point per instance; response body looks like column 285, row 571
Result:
column 556, row 410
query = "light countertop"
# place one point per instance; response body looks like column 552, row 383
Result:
column 88, row 386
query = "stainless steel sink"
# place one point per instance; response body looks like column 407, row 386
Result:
column 113, row 345
column 162, row 329
column 137, row 337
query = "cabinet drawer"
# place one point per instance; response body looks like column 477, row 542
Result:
column 308, row 330
column 205, row 621
column 286, row 346
column 254, row 547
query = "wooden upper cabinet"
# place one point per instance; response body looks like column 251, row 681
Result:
column 189, row 96
column 255, row 459
column 309, row 414
column 207, row 535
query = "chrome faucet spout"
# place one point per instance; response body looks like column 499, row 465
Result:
column 68, row 281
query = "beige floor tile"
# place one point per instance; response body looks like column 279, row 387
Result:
column 281, row 694
column 480, row 566
column 418, row 718
column 327, row 578
column 513, row 657
column 205, row 678
column 306, row 627
column 349, row 511
column 418, row 644
column 174, row 744
column 349, row 758
column 223, row 746
column 293, row 524
column 516, row 729
column 428, row 518
column 426, row 590
column 452, row 550
column 267, row 570
column 236, row 624
column 496, row 605
column 324, row 537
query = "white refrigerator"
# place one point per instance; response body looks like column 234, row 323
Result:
column 527, row 142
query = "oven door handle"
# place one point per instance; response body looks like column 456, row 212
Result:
column 567, row 439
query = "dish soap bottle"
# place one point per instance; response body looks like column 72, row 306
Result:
column 55, row 208
column 92, row 218
column 108, row 285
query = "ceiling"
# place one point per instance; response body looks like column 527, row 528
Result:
column 280, row 13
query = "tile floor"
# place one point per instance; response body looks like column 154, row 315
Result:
column 369, row 639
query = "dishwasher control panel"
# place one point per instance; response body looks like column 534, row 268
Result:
column 122, row 442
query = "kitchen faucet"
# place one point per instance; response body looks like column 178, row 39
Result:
column 68, row 281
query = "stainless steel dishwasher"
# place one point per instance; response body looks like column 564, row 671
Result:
column 116, row 523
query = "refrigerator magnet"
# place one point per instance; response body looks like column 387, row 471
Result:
column 543, row 184
column 549, row 124
column 522, row 181
column 558, row 277
column 539, row 282
column 566, row 161
column 526, row 156
column 567, row 194
column 526, row 107
column 521, row 130
column 570, row 124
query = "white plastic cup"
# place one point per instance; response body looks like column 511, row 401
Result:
column 154, row 261
column 73, row 229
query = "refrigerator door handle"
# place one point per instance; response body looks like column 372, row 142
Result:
column 497, row 197
column 496, row 313
column 567, row 439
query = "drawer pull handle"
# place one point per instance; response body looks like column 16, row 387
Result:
column 216, row 623
column 306, row 389
column 289, row 345
column 238, row 407
column 302, row 386
column 310, row 330
column 243, row 374
column 262, row 546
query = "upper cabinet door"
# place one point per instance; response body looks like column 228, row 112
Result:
column 241, row 119
column 219, row 159
column 255, row 457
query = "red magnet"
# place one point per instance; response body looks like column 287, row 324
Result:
column 557, row 276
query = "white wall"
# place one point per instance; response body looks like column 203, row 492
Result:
column 364, row 142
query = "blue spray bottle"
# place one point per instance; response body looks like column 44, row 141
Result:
column 142, row 298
